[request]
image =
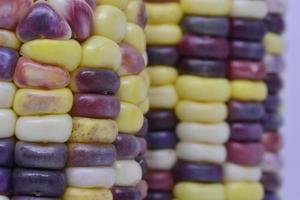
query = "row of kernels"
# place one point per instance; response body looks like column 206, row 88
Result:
column 203, row 90
column 272, row 139
column 8, row 57
column 127, row 60
column 247, row 72
column 90, row 171
column 133, row 94
column 163, row 34
column 9, row 46
column 43, row 103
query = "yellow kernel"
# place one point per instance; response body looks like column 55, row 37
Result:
column 166, row 34
column 163, row 96
column 88, row 130
column 133, row 89
column 73, row 193
column 135, row 36
column 36, row 102
column 101, row 52
column 130, row 119
column 63, row 53
column 110, row 22
column 274, row 44
column 162, row 75
column 207, row 7
column 203, row 89
column 169, row 13
column 248, row 90
column 244, row 190
column 190, row 111
column 199, row 191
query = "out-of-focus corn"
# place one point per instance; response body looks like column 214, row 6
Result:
column 163, row 34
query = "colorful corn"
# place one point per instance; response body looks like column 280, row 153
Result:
column 210, row 39
column 163, row 34
column 108, row 94
column 74, row 91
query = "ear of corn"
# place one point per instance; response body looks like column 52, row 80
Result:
column 78, row 101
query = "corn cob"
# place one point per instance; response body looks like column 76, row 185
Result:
column 163, row 34
column 205, row 39
column 272, row 140
column 106, row 68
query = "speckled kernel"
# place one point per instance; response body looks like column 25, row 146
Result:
column 93, row 130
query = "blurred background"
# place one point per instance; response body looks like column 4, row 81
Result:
column 291, row 129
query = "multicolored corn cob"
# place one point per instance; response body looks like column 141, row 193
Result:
column 86, row 59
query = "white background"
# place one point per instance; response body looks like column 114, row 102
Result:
column 291, row 94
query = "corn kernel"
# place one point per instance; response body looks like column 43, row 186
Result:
column 130, row 119
column 248, row 90
column 110, row 22
column 7, row 94
column 48, row 128
column 199, row 191
column 101, row 52
column 35, row 102
column 136, row 12
column 206, row 7
column 162, row 75
column 135, row 36
column 203, row 89
column 7, row 123
column 274, row 44
column 73, row 193
column 244, row 190
column 166, row 34
column 163, row 96
column 63, row 53
column 190, row 111
column 9, row 39
column 133, row 173
column 133, row 89
column 88, row 130
column 169, row 13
